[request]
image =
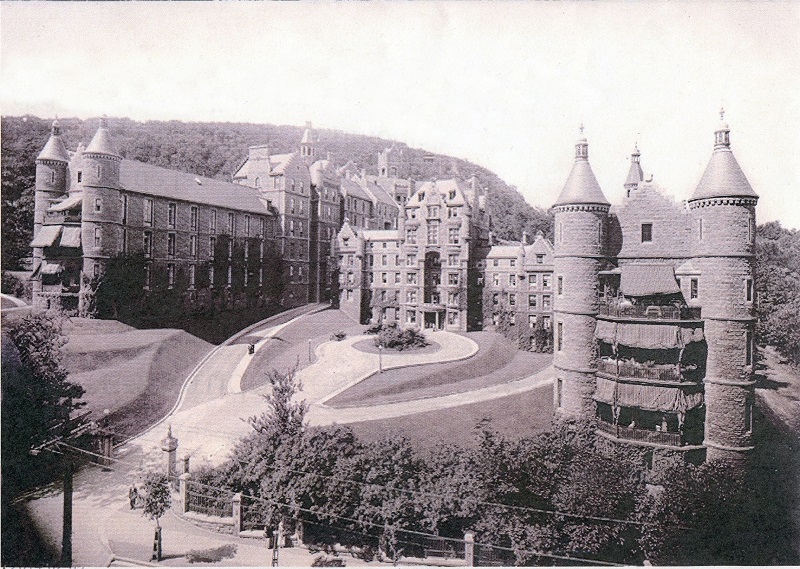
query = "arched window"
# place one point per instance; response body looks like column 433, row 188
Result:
column 258, row 182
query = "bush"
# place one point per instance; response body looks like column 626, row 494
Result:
column 213, row 555
column 325, row 561
column 15, row 287
column 394, row 337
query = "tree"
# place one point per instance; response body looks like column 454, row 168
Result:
column 37, row 398
column 157, row 500
column 120, row 289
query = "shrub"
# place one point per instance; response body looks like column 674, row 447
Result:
column 394, row 337
column 213, row 555
column 15, row 287
column 325, row 561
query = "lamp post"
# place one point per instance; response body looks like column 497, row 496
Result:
column 309, row 350
column 380, row 358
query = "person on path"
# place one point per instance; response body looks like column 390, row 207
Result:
column 133, row 496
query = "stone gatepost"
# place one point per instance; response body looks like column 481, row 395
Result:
column 169, row 444
column 186, row 464
column 469, row 549
column 236, row 503
column 183, row 486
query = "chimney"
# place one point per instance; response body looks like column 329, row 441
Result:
column 491, row 239
column 525, row 238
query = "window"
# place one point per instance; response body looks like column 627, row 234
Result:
column 230, row 249
column 98, row 205
column 148, row 211
column 694, row 288
column 452, row 260
column 748, row 290
column 700, row 228
column 212, row 222
column 531, row 321
column 193, row 246
column 560, row 285
column 433, row 232
column 171, row 214
column 350, row 260
column 452, row 235
column 433, row 211
column 148, row 244
column 748, row 416
column 211, row 276
column 452, row 279
column 385, row 278
column 411, row 316
column 300, row 204
column 230, row 275
column 532, row 300
column 147, row 276
column 647, row 232
column 258, row 183
column 532, row 280
column 539, row 259
column 545, row 281
column 193, row 218
column 546, row 301
column 384, row 260
column 748, row 348
column 397, row 278
column 97, row 240
column 512, row 280
column 495, row 298
column 750, row 232
column 560, row 336
column 411, row 296
column 512, row 299
column 411, row 260
column 191, row 276
column 496, row 262
column 559, row 387
column 170, row 275
column 247, row 225
column 291, row 227
column 124, row 209
column 231, row 224
column 349, row 294
column 124, row 241
column 263, row 231
column 496, row 279
column 512, row 262
column 411, row 278
column 212, row 245
column 300, row 228
column 171, row 244
column 80, row 177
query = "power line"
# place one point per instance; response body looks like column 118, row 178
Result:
column 362, row 522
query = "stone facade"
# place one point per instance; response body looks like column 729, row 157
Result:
column 654, row 315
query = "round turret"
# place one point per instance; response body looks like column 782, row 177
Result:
column 722, row 211
column 581, row 213
column 51, row 179
column 100, row 161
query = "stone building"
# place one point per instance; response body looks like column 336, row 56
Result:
column 654, row 310
column 91, row 205
column 428, row 271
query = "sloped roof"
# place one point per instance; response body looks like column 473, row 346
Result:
column 380, row 194
column 635, row 174
column 47, row 236
column 101, row 142
column 278, row 162
column 581, row 186
column 354, row 189
column 648, row 280
column 69, row 203
column 154, row 180
column 380, row 234
column 504, row 251
column 54, row 150
column 723, row 177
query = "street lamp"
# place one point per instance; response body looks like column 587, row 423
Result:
column 380, row 358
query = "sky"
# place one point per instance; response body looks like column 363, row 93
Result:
column 503, row 84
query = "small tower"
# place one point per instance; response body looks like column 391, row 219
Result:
column 635, row 174
column 51, row 181
column 581, row 213
column 723, row 220
column 308, row 149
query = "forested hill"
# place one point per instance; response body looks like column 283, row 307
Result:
column 214, row 150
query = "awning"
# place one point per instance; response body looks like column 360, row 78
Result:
column 69, row 203
column 51, row 268
column 647, row 336
column 47, row 236
column 71, row 237
column 648, row 280
column 648, row 397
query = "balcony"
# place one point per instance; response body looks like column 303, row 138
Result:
column 648, row 312
column 641, row 435
column 668, row 372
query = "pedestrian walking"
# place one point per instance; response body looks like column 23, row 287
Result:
column 133, row 496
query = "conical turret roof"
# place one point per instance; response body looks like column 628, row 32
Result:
column 54, row 149
column 582, row 186
column 723, row 177
column 102, row 143
column 635, row 174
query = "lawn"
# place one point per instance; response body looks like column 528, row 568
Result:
column 497, row 361
column 514, row 416
column 289, row 348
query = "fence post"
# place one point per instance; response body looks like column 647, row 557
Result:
column 236, row 506
column 183, row 484
column 469, row 549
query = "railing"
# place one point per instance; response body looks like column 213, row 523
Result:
column 638, row 371
column 201, row 501
column 641, row 435
column 649, row 312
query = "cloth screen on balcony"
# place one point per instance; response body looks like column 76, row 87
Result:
column 648, row 280
column 648, row 397
column 69, row 203
column 71, row 237
column 647, row 336
column 47, row 236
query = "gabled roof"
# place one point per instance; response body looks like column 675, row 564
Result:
column 723, row 177
column 278, row 162
column 378, row 193
column 648, row 280
column 147, row 179
column 353, row 189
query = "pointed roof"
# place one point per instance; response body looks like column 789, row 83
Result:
column 635, row 174
column 54, row 149
column 309, row 135
column 723, row 176
column 581, row 186
column 102, row 143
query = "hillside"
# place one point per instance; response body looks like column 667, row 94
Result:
column 214, row 150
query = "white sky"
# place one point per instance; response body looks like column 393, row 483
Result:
column 502, row 84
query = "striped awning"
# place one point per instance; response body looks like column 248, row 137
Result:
column 47, row 236
column 648, row 280
column 51, row 268
column 647, row 336
column 71, row 237
column 648, row 397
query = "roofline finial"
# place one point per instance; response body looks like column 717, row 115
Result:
column 581, row 127
column 721, row 113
